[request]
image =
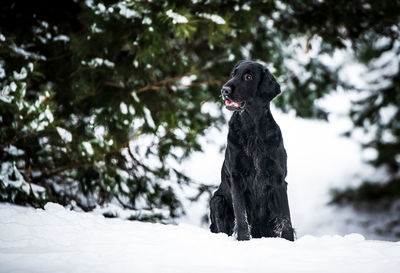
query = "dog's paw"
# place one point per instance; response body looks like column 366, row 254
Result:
column 243, row 237
column 243, row 234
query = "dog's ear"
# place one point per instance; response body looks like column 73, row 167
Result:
column 268, row 87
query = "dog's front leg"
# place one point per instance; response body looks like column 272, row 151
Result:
column 242, row 228
column 234, row 165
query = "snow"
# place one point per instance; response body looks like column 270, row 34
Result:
column 21, row 75
column 27, row 54
column 65, row 135
column 88, row 147
column 149, row 118
column 59, row 240
column 96, row 62
column 387, row 113
column 125, row 11
column 2, row 72
column 13, row 86
column 99, row 132
column 48, row 114
column 62, row 38
column 176, row 17
column 215, row 18
column 146, row 21
column 187, row 80
column 5, row 94
column 117, row 211
column 10, row 176
column 12, row 150
column 124, row 108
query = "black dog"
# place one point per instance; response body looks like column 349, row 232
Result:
column 252, row 198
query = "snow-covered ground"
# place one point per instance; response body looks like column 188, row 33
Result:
column 59, row 240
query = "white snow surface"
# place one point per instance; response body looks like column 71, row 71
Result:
column 59, row 240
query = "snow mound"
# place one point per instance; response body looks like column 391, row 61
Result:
column 59, row 240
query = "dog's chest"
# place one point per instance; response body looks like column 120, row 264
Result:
column 253, row 145
column 254, row 148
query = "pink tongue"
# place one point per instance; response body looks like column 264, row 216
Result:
column 228, row 102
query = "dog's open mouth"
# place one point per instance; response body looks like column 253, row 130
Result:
column 233, row 104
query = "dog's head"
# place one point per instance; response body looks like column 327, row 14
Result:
column 251, row 84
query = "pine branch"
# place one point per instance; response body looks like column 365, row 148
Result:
column 114, row 84
column 163, row 83
column 160, row 84
column 73, row 165
column 64, row 168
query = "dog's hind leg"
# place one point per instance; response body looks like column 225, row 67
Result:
column 221, row 214
column 288, row 233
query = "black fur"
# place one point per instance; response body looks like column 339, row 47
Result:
column 252, row 198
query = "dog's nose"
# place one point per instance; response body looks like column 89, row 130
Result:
column 226, row 90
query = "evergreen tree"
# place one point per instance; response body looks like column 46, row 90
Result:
column 101, row 100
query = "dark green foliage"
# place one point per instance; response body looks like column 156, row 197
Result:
column 93, row 110
column 113, row 83
column 368, row 192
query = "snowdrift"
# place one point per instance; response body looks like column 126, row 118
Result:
column 59, row 240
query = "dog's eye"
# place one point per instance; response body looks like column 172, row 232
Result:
column 247, row 77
